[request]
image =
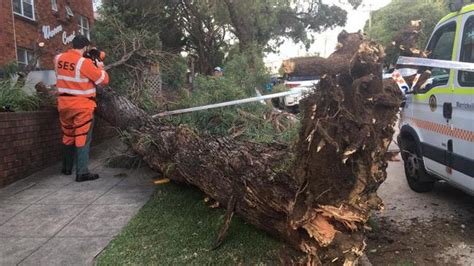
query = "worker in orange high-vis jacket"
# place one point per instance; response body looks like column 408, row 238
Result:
column 77, row 78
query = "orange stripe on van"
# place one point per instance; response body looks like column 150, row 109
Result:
column 444, row 129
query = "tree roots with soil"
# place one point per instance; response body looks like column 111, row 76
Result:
column 317, row 195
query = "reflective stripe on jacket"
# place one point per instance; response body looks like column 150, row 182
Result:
column 77, row 76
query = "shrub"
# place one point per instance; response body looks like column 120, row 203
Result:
column 252, row 121
column 121, row 29
column 174, row 75
column 10, row 69
column 280, row 88
column 247, row 73
column 14, row 99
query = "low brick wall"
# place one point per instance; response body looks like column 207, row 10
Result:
column 31, row 141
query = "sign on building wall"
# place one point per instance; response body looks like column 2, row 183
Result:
column 49, row 33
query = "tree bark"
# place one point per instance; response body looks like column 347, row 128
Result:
column 337, row 63
column 316, row 196
column 240, row 25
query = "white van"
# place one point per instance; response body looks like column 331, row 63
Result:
column 437, row 123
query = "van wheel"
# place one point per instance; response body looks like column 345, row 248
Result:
column 418, row 179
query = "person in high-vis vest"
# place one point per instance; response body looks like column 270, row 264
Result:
column 77, row 78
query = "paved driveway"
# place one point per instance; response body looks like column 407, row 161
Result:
column 49, row 219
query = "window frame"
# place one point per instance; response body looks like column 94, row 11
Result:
column 26, row 54
column 432, row 44
column 81, row 26
column 460, row 73
column 22, row 14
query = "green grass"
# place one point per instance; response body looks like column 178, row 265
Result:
column 176, row 227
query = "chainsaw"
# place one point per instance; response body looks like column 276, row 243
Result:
column 95, row 55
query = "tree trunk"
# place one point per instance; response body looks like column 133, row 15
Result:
column 242, row 29
column 337, row 63
column 316, row 196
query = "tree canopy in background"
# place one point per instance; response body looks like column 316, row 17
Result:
column 209, row 29
column 214, row 27
column 389, row 20
column 259, row 22
column 148, row 36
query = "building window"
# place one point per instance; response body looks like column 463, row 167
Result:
column 69, row 12
column 54, row 5
column 25, row 8
column 25, row 57
column 84, row 26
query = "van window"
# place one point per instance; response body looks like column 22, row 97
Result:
column 441, row 47
column 466, row 79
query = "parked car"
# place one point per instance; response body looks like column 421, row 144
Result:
column 301, row 85
column 296, row 81
column 292, row 102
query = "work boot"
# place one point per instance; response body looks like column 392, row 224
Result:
column 66, row 172
column 87, row 177
column 68, row 159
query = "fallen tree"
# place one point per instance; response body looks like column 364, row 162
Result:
column 336, row 63
column 316, row 195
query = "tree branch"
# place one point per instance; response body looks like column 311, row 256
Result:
column 125, row 57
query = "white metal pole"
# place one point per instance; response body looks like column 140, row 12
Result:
column 236, row 102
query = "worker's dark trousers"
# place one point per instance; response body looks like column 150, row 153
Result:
column 81, row 156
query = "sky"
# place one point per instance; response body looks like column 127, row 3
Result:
column 326, row 42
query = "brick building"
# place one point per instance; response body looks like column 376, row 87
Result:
column 46, row 27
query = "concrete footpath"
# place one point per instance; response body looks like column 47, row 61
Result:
column 49, row 219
